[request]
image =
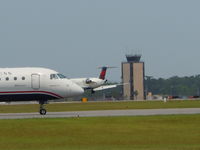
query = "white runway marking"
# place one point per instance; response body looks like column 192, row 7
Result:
column 102, row 113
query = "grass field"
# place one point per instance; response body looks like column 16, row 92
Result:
column 101, row 106
column 172, row 132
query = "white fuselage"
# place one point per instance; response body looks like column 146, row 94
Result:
column 24, row 84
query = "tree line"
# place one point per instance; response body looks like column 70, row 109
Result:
column 174, row 86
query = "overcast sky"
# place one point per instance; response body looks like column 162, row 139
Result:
column 77, row 36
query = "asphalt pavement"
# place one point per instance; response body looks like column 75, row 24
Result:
column 101, row 113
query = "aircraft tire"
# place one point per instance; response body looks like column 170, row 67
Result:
column 43, row 111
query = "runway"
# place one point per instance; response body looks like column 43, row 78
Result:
column 101, row 113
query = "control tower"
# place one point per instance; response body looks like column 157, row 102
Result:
column 133, row 78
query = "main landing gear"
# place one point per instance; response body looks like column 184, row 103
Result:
column 92, row 91
column 42, row 109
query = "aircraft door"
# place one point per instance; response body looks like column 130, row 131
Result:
column 35, row 81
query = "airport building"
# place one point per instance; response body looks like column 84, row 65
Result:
column 133, row 74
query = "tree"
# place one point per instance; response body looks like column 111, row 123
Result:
column 177, row 86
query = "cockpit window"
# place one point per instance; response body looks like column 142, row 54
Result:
column 53, row 76
column 57, row 76
column 61, row 76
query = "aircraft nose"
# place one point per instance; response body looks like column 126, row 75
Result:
column 77, row 90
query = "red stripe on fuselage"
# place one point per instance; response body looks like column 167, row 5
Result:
column 24, row 92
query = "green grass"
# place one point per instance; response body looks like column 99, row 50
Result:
column 171, row 132
column 101, row 106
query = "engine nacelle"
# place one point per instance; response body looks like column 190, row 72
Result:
column 88, row 81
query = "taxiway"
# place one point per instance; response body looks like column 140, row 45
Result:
column 102, row 113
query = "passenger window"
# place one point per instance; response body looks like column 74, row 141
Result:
column 23, row 78
column 7, row 78
column 15, row 78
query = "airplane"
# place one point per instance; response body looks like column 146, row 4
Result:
column 94, row 84
column 35, row 84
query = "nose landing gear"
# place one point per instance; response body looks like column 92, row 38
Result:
column 42, row 109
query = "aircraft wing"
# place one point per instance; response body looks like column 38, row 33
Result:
column 105, row 87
